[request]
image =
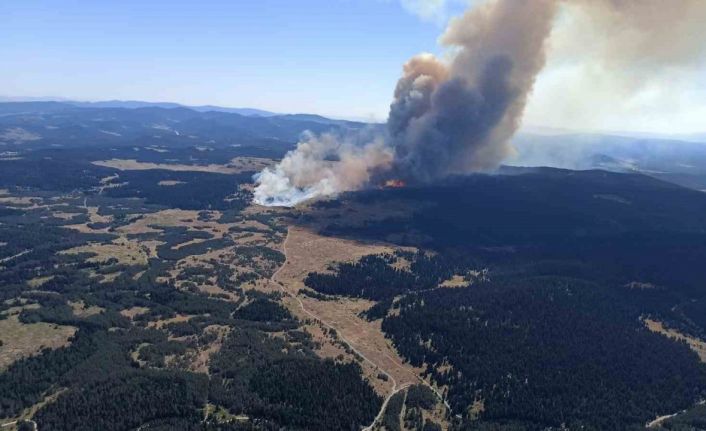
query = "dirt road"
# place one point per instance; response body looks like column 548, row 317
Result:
column 381, row 360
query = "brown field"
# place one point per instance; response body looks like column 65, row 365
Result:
column 105, row 278
column 696, row 344
column 20, row 340
column 132, row 312
column 93, row 217
column 454, row 282
column 39, row 281
column 306, row 252
column 24, row 201
column 134, row 165
column 236, row 165
column 80, row 309
column 126, row 252
column 159, row 324
column 216, row 290
column 309, row 252
column 199, row 361
column 151, row 222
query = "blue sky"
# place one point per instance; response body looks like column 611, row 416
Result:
column 333, row 57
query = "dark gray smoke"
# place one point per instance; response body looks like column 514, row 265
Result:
column 457, row 116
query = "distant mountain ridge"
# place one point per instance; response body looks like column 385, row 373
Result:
column 38, row 124
column 134, row 104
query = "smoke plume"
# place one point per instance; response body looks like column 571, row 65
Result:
column 458, row 116
column 321, row 166
column 643, row 33
column 624, row 65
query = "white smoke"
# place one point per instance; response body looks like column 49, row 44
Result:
column 320, row 166
column 458, row 116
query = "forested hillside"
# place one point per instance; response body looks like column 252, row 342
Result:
column 544, row 322
column 139, row 299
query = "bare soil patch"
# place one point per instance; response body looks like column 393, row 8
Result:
column 696, row 344
column 159, row 324
column 150, row 223
column 306, row 252
column 123, row 250
column 235, row 166
column 39, row 281
column 132, row 312
column 80, row 309
column 454, row 282
column 20, row 340
column 310, row 252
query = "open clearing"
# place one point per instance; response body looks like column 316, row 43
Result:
column 236, row 165
column 151, row 222
column 133, row 312
column 39, row 281
column 20, row 340
column 124, row 251
column 695, row 344
column 307, row 252
column 82, row 310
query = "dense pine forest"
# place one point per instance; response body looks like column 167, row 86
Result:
column 149, row 294
column 545, row 324
column 160, row 341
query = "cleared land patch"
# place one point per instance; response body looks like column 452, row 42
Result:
column 20, row 340
column 236, row 165
column 454, row 282
column 133, row 312
column 307, row 252
column 39, row 281
column 82, row 310
column 152, row 222
column 697, row 345
column 121, row 250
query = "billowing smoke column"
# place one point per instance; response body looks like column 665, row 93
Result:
column 445, row 118
column 457, row 116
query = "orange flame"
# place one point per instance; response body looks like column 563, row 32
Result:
column 395, row 184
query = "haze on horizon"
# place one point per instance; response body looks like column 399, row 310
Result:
column 340, row 61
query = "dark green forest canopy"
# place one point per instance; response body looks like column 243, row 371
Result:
column 554, row 335
column 547, row 351
column 147, row 367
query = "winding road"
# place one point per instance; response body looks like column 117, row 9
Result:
column 14, row 423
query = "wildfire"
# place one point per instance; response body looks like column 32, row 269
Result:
column 395, row 184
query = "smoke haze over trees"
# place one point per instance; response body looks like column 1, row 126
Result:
column 457, row 115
